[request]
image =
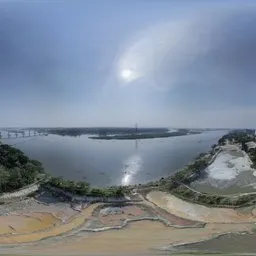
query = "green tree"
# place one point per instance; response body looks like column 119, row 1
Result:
column 4, row 179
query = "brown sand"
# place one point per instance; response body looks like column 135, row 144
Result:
column 26, row 224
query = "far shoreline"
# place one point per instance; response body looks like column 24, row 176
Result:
column 144, row 135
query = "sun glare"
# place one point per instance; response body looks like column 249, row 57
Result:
column 126, row 74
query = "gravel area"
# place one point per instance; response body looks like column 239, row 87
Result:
column 17, row 205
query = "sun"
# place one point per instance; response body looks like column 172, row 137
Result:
column 126, row 74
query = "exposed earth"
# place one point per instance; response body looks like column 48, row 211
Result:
column 229, row 173
column 151, row 226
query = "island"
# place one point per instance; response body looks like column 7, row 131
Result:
column 139, row 136
column 78, row 131
column 119, row 133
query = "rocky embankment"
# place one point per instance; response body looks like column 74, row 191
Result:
column 23, row 192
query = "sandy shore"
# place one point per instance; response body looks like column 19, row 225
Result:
column 197, row 212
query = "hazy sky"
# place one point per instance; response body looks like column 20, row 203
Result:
column 115, row 63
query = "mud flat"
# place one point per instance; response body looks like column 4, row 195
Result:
column 228, row 243
column 197, row 212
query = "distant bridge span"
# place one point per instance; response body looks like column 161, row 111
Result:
column 15, row 134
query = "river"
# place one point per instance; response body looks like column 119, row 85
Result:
column 114, row 162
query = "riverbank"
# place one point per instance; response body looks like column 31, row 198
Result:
column 141, row 136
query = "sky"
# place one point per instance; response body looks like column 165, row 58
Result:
column 116, row 63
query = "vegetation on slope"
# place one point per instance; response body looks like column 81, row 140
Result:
column 240, row 137
column 185, row 193
column 83, row 188
column 185, row 176
column 16, row 169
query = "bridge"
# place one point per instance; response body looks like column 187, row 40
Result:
column 13, row 134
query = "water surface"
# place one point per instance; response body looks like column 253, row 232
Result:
column 115, row 162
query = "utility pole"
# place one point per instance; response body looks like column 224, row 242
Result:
column 136, row 133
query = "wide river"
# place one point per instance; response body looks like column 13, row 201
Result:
column 114, row 162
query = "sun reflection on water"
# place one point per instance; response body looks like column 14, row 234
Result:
column 130, row 167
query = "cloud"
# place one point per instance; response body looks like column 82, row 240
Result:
column 214, row 49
